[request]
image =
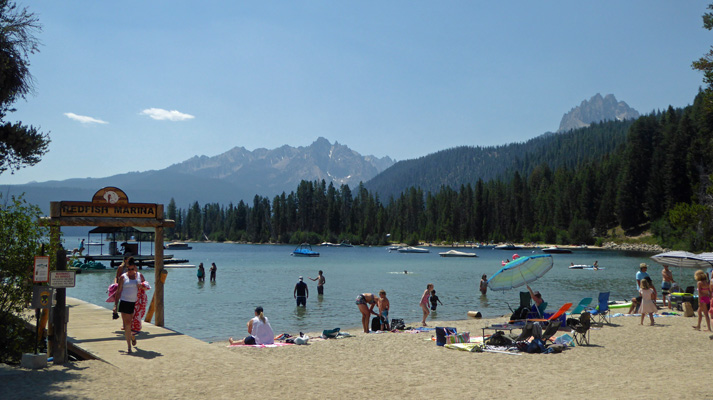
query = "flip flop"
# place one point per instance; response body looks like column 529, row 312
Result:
column 133, row 340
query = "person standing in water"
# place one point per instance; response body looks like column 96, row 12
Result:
column 484, row 284
column 320, row 282
column 213, row 269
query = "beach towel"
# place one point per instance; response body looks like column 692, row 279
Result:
column 140, row 307
column 260, row 345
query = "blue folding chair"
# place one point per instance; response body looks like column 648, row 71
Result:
column 601, row 312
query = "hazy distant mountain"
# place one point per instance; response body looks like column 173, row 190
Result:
column 235, row 175
column 597, row 109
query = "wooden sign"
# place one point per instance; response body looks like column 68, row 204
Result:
column 109, row 202
column 42, row 269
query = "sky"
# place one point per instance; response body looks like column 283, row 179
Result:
column 141, row 85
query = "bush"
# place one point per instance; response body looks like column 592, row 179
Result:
column 21, row 239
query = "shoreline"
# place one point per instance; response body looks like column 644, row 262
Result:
column 402, row 364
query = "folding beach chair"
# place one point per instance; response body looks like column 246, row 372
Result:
column 580, row 329
column 601, row 312
column 583, row 304
column 518, row 313
column 556, row 315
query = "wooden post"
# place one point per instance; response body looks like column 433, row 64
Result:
column 158, row 268
column 60, row 314
column 54, row 244
column 152, row 305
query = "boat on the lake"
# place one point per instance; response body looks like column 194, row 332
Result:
column 411, row 249
column 177, row 246
column 556, row 250
column 456, row 253
column 507, row 246
column 304, row 250
column 584, row 266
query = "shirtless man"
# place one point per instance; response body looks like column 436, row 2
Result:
column 320, row 282
column 666, row 283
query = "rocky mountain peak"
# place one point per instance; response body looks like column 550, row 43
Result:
column 596, row 109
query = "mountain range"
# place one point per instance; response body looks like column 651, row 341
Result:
column 239, row 174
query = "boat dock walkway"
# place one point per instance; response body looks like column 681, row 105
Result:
column 91, row 331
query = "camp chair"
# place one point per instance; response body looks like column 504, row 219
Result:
column 551, row 330
column 580, row 329
column 583, row 304
column 556, row 315
column 601, row 312
column 534, row 329
column 524, row 304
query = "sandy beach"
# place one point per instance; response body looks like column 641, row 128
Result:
column 624, row 361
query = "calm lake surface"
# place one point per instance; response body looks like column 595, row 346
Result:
column 252, row 275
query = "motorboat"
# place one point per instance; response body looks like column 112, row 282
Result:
column 507, row 246
column 411, row 249
column 456, row 253
column 484, row 246
column 556, row 250
column 304, row 250
column 345, row 243
column 583, row 266
column 177, row 246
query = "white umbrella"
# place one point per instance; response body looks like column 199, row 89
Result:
column 682, row 259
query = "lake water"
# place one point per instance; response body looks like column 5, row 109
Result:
column 252, row 275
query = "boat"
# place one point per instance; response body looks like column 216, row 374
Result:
column 582, row 266
column 484, row 246
column 456, row 253
column 556, row 250
column 411, row 249
column 328, row 244
column 507, row 246
column 177, row 246
column 304, row 250
column 345, row 243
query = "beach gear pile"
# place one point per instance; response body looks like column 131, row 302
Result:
column 499, row 342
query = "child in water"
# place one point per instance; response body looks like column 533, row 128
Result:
column 484, row 284
column 434, row 300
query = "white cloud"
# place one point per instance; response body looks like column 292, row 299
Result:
column 84, row 119
column 161, row 114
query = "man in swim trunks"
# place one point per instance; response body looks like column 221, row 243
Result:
column 666, row 283
column 320, row 282
column 301, row 293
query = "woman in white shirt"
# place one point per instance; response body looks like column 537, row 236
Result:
column 127, row 292
column 259, row 329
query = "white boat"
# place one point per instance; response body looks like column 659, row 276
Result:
column 411, row 249
column 583, row 266
column 507, row 246
column 456, row 253
column 177, row 246
column 556, row 250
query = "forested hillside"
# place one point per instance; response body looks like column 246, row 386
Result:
column 463, row 165
column 658, row 177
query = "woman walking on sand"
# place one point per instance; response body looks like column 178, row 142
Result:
column 704, row 299
column 425, row 297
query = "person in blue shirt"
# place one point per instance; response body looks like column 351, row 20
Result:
column 640, row 276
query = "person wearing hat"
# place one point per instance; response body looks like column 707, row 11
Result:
column 640, row 276
column 301, row 293
column 259, row 329
column 536, row 298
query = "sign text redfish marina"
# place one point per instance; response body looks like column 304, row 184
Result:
column 89, row 209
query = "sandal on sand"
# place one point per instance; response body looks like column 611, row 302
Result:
column 696, row 328
column 133, row 340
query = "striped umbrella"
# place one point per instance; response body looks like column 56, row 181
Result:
column 520, row 272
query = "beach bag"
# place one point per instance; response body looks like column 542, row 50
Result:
column 441, row 334
column 376, row 324
column 463, row 337
column 330, row 333
column 398, row 323
column 499, row 339
column 687, row 309
column 520, row 313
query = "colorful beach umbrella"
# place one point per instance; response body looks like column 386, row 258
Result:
column 682, row 259
column 520, row 272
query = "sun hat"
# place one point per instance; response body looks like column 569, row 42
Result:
column 300, row 278
column 643, row 265
column 112, row 292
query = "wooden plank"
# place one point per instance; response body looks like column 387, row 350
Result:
column 98, row 221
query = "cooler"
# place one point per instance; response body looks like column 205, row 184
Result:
column 677, row 299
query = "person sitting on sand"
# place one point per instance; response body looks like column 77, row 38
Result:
column 361, row 301
column 259, row 329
